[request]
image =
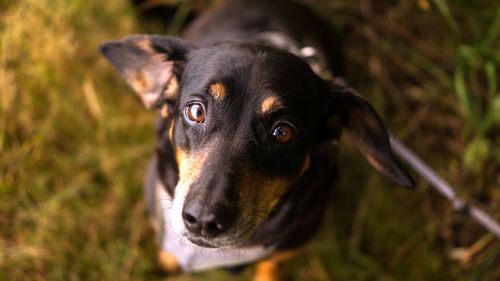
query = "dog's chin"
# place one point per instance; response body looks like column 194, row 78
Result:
column 226, row 242
column 202, row 243
column 216, row 243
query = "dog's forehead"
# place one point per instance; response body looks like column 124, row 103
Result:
column 244, row 53
column 235, row 58
column 249, row 69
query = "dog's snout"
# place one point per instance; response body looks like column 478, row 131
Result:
column 208, row 220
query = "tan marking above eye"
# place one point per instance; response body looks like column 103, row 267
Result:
column 269, row 103
column 217, row 90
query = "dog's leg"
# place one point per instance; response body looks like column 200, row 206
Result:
column 269, row 269
column 168, row 262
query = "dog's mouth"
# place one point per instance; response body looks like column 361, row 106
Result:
column 221, row 242
column 201, row 243
column 236, row 238
column 211, row 225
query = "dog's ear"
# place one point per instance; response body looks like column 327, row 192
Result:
column 356, row 115
column 150, row 64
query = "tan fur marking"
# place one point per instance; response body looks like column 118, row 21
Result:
column 268, row 269
column 306, row 165
column 218, row 91
column 145, row 45
column 168, row 262
column 172, row 88
column 276, row 189
column 170, row 93
column 269, row 103
column 179, row 155
column 261, row 193
column 164, row 111
column 171, row 131
column 139, row 81
column 190, row 166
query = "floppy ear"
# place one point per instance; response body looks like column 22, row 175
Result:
column 150, row 64
column 368, row 131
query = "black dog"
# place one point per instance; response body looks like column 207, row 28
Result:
column 249, row 121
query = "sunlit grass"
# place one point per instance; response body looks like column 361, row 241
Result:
column 74, row 144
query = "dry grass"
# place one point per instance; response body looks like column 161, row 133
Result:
column 74, row 143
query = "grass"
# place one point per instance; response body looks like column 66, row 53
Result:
column 74, row 143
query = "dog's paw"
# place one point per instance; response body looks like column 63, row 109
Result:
column 168, row 262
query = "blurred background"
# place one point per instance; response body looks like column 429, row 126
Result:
column 75, row 142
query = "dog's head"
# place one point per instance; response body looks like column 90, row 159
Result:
column 242, row 120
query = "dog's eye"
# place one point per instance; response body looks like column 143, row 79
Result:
column 283, row 133
column 195, row 112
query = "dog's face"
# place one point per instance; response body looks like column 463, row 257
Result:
column 245, row 119
column 242, row 119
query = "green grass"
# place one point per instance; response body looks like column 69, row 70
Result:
column 74, row 144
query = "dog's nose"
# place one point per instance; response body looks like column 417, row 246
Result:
column 207, row 221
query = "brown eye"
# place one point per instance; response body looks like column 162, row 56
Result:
column 283, row 133
column 196, row 112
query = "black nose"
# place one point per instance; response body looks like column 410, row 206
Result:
column 207, row 220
